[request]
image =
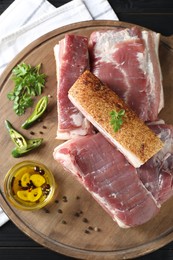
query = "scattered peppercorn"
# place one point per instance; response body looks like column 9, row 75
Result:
column 90, row 228
column 87, row 231
column 56, row 201
column 64, row 222
column 46, row 211
column 97, row 229
column 85, row 220
column 41, row 132
column 44, row 127
column 77, row 197
column 32, row 133
column 64, row 198
column 60, row 211
column 77, row 214
column 36, row 169
column 32, row 184
column 24, row 188
column 42, row 172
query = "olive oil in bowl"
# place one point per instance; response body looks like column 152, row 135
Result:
column 29, row 185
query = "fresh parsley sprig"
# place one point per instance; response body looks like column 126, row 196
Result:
column 117, row 119
column 29, row 82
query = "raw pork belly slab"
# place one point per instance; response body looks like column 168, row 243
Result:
column 127, row 61
column 71, row 56
column 110, row 179
column 96, row 101
column 131, row 196
column 157, row 173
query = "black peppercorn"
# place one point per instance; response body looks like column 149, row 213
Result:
column 41, row 172
column 36, row 169
column 87, row 231
column 85, row 220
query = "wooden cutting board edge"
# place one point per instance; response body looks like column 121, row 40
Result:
column 39, row 238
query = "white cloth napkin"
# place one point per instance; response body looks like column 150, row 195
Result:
column 25, row 21
column 3, row 218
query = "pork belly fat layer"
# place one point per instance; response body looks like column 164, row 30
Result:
column 71, row 56
column 95, row 100
column 110, row 179
column 127, row 61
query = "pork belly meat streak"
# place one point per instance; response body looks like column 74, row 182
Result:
column 71, row 56
column 127, row 61
column 96, row 101
column 131, row 196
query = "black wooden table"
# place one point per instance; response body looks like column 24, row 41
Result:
column 156, row 15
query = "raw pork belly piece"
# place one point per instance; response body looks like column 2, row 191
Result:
column 127, row 61
column 157, row 173
column 96, row 101
column 71, row 56
column 110, row 179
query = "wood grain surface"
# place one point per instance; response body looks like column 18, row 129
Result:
column 78, row 210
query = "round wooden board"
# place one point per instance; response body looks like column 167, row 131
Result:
column 45, row 226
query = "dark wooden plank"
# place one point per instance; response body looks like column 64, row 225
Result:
column 125, row 6
column 154, row 6
column 21, row 253
column 15, row 245
column 157, row 22
column 11, row 236
column 4, row 4
column 155, row 15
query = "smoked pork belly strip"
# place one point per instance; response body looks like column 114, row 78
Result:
column 95, row 100
column 127, row 61
column 111, row 180
column 71, row 56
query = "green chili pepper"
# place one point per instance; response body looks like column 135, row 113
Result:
column 16, row 137
column 22, row 145
column 31, row 144
column 38, row 112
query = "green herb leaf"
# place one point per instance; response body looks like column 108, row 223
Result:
column 29, row 82
column 117, row 119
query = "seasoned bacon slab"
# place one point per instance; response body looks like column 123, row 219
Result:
column 71, row 56
column 127, row 61
column 95, row 100
column 110, row 179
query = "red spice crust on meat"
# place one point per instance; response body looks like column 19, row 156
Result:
column 96, row 101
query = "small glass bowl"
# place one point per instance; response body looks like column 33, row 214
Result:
column 26, row 192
